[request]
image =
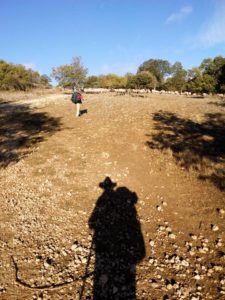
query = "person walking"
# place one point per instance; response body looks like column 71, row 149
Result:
column 77, row 99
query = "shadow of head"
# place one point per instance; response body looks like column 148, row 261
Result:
column 107, row 184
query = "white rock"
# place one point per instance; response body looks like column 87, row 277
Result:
column 169, row 286
column 84, row 260
column 218, row 268
column 159, row 208
column 185, row 263
column 154, row 285
column 151, row 261
column 215, row 228
column 152, row 243
column 172, row 236
column 161, row 228
column 74, row 247
column 221, row 211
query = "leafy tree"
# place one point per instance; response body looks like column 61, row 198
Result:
column 70, row 75
column 45, row 80
column 111, row 81
column 92, row 82
column 200, row 82
column 219, row 73
column 177, row 80
column 145, row 80
column 215, row 68
column 131, row 81
column 207, row 66
column 17, row 77
column 142, row 80
column 157, row 67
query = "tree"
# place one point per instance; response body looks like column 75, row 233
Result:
column 92, row 82
column 131, row 81
column 215, row 68
column 177, row 80
column 45, row 80
column 157, row 67
column 112, row 81
column 142, row 80
column 219, row 73
column 200, row 82
column 17, row 77
column 207, row 66
column 70, row 75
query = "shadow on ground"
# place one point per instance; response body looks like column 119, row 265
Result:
column 20, row 129
column 117, row 241
column 220, row 103
column 83, row 111
column 200, row 146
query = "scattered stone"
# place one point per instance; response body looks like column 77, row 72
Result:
column 214, row 227
column 193, row 236
column 168, row 229
column 154, row 285
column 197, row 277
column 185, row 263
column 169, row 286
column 218, row 268
column 151, row 260
column 219, row 242
column 172, row 235
column 152, row 243
column 161, row 228
column 221, row 211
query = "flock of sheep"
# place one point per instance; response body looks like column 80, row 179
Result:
column 142, row 92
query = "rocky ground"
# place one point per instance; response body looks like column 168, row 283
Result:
column 125, row 202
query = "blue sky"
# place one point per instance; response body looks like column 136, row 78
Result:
column 111, row 36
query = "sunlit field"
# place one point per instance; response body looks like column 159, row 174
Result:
column 125, row 200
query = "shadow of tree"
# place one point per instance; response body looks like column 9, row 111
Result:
column 118, row 242
column 200, row 146
column 20, row 129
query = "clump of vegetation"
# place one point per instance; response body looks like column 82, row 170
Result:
column 160, row 74
column 18, row 77
column 70, row 75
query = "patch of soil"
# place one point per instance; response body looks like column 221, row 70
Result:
column 125, row 202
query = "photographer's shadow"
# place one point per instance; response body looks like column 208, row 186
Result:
column 118, row 243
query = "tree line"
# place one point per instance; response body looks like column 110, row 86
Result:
column 159, row 74
column 18, row 77
column 208, row 77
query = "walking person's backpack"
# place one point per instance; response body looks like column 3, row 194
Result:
column 76, row 97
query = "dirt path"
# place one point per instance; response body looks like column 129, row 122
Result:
column 161, row 236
